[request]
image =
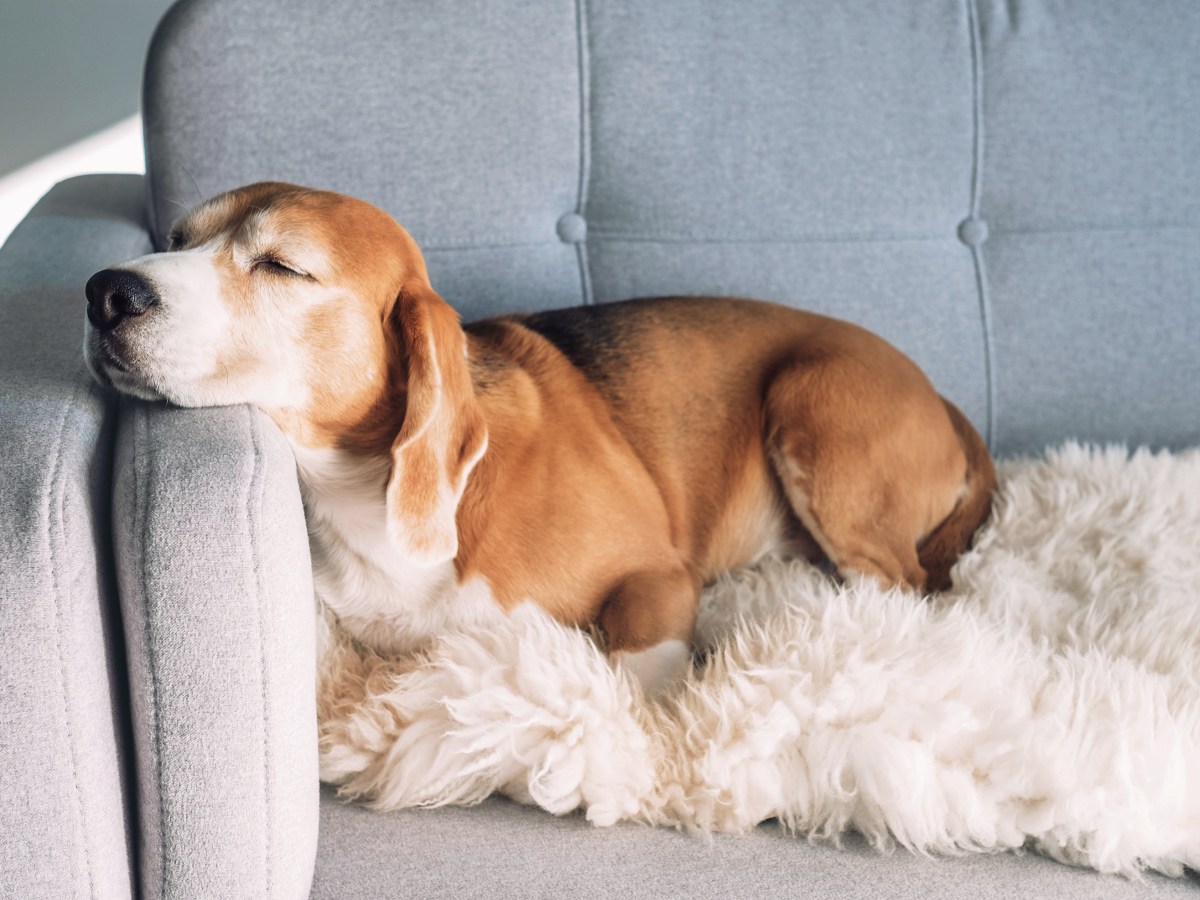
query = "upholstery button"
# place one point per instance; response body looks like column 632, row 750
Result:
column 973, row 231
column 572, row 228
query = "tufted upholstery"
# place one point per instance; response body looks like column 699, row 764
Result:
column 1007, row 190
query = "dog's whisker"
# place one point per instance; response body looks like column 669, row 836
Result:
column 195, row 187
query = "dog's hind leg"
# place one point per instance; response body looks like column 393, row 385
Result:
column 851, row 537
column 866, row 457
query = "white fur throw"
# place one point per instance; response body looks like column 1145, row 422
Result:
column 1052, row 700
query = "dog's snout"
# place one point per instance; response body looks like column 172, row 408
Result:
column 114, row 295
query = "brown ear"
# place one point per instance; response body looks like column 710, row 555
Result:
column 443, row 435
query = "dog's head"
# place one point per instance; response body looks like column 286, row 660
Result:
column 317, row 308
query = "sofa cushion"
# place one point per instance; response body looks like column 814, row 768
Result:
column 500, row 849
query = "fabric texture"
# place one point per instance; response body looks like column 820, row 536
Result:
column 1091, row 186
column 502, row 850
column 216, row 591
column 65, row 827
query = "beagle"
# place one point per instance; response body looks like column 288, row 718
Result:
column 603, row 462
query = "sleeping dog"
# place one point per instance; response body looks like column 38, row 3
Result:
column 603, row 462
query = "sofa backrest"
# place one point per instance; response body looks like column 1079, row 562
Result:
column 1009, row 190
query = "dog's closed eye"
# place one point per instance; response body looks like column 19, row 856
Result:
column 272, row 265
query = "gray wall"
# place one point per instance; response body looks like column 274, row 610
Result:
column 68, row 68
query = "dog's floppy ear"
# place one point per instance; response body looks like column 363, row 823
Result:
column 443, row 435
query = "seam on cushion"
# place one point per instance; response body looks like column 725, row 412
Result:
column 585, row 142
column 124, row 755
column 633, row 238
column 1093, row 229
column 51, row 506
column 254, row 501
column 976, row 107
column 981, row 283
column 142, row 474
column 981, row 280
column 630, row 237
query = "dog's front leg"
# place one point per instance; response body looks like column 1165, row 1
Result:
column 648, row 621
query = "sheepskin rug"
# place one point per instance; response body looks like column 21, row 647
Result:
column 1050, row 701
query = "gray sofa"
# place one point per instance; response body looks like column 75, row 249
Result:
column 1007, row 189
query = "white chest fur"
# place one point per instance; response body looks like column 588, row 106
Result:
column 381, row 598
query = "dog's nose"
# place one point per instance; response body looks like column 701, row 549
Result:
column 114, row 295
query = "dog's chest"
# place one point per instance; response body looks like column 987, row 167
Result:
column 381, row 598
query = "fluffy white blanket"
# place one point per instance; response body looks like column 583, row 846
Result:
column 1051, row 700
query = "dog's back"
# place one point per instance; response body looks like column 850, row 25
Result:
column 742, row 409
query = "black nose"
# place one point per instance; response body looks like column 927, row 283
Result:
column 114, row 295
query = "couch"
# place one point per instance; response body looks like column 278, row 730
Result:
column 1009, row 190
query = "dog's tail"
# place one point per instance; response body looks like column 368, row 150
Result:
column 946, row 543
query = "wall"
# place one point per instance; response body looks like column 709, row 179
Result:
column 67, row 70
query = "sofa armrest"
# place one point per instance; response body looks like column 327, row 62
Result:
column 66, row 820
column 216, row 590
